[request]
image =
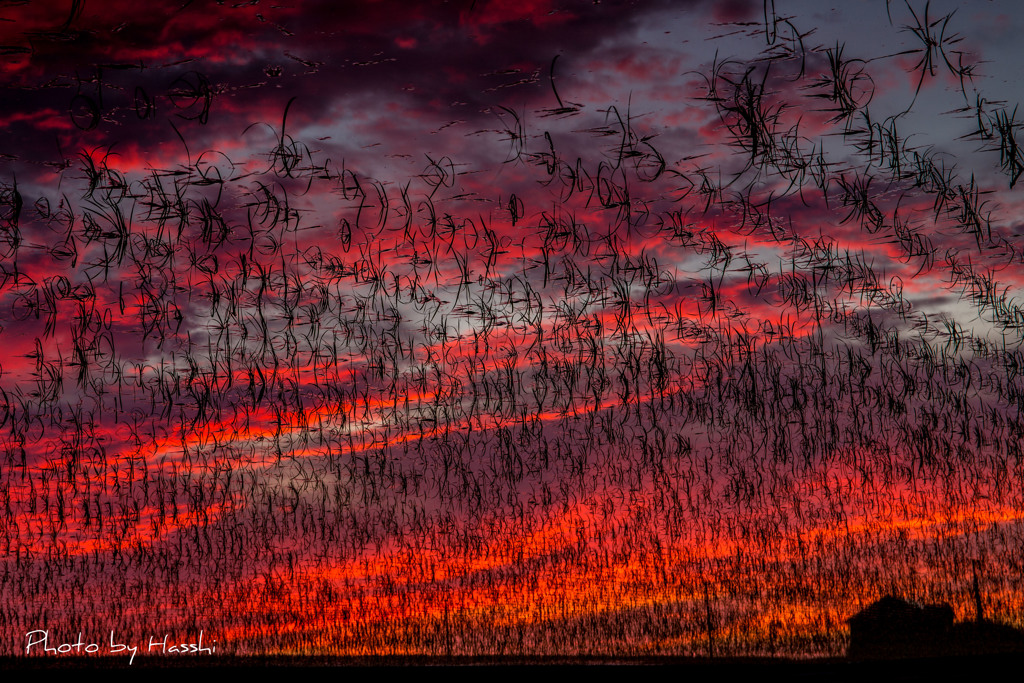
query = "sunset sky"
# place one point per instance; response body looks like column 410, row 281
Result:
column 493, row 327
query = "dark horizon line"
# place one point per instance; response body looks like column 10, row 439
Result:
column 192, row 661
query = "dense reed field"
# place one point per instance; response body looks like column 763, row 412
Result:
column 575, row 329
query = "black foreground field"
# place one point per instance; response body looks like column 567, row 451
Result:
column 667, row 668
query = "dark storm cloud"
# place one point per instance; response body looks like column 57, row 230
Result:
column 95, row 75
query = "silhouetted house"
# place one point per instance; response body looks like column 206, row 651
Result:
column 892, row 627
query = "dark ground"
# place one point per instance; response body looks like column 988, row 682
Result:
column 480, row 669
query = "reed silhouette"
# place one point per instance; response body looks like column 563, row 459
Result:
column 571, row 385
